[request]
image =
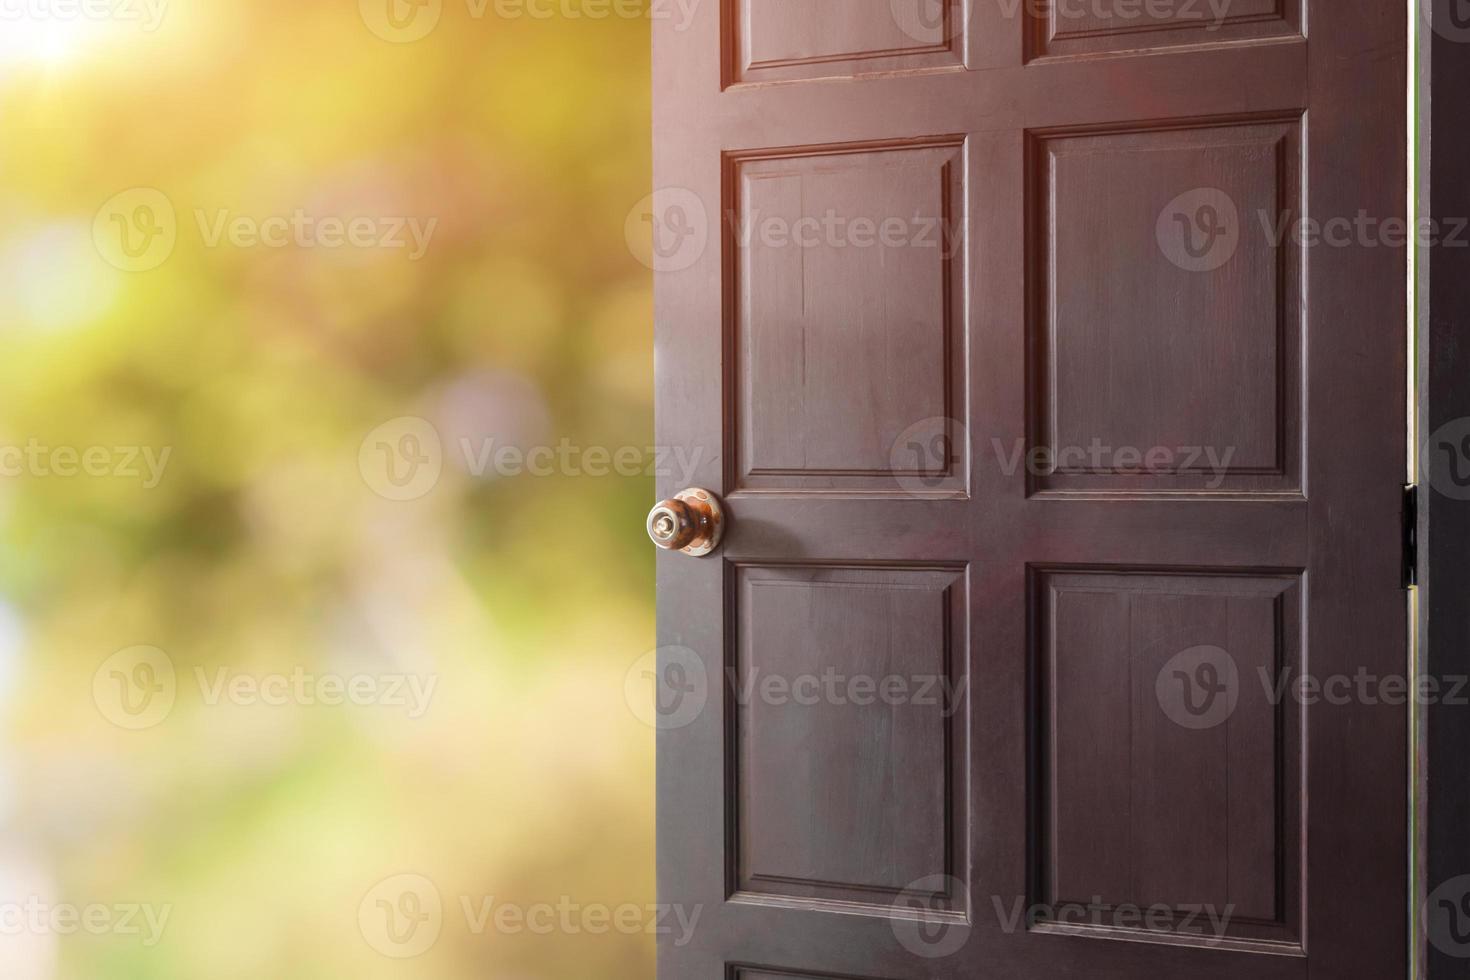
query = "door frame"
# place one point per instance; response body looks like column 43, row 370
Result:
column 1441, row 357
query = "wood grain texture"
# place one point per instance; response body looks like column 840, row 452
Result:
column 845, row 312
column 1444, row 518
column 1136, row 806
column 775, row 40
column 1069, row 28
column 847, row 713
column 1329, row 104
column 1154, row 373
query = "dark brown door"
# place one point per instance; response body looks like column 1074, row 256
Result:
column 1051, row 367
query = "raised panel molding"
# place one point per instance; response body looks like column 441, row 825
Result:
column 1064, row 28
column 844, row 311
column 846, row 712
column 1166, row 326
column 787, row 40
column 1169, row 770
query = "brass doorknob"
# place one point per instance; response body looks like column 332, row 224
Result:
column 692, row 522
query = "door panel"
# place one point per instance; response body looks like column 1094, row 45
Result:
column 772, row 40
column 1201, row 326
column 1169, row 777
column 843, row 693
column 837, row 355
column 1074, row 28
column 1013, row 387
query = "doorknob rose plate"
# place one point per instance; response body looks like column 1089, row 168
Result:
column 692, row 522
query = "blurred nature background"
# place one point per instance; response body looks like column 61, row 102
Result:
column 153, row 312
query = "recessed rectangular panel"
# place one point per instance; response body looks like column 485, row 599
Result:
column 1167, row 332
column 775, row 40
column 846, row 693
column 1170, row 771
column 845, row 309
column 1074, row 27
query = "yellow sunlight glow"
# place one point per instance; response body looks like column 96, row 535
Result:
column 41, row 40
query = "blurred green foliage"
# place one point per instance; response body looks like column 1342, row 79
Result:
column 263, row 549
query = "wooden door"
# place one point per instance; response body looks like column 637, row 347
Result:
column 1052, row 460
